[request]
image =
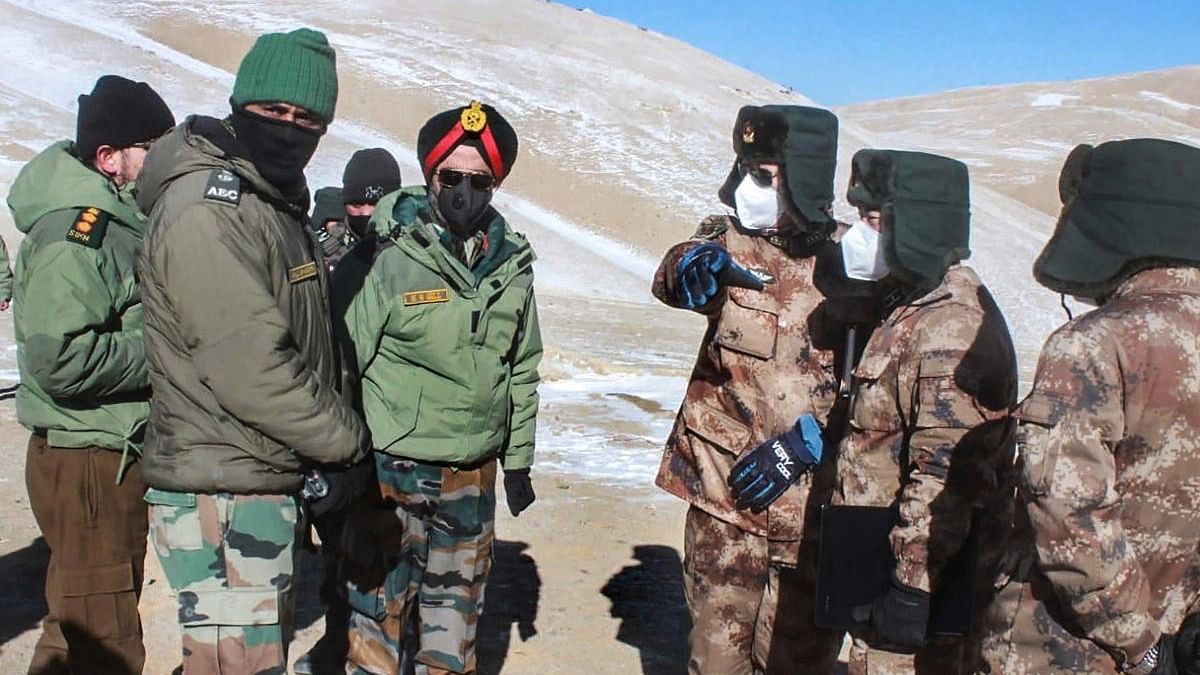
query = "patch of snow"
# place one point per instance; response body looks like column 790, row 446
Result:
column 1168, row 101
column 1051, row 100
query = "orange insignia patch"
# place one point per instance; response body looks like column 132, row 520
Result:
column 426, row 297
column 748, row 133
column 89, row 227
column 474, row 119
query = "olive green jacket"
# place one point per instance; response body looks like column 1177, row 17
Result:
column 237, row 327
column 78, row 311
column 6, row 273
column 445, row 357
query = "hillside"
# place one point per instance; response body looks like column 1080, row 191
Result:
column 624, row 141
column 1015, row 138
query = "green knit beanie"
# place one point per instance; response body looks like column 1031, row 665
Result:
column 297, row 67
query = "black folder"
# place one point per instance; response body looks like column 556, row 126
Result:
column 856, row 566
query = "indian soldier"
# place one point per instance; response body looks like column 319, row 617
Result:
column 928, row 431
column 328, row 222
column 6, row 278
column 1103, row 571
column 85, row 391
column 369, row 176
column 242, row 360
column 765, row 379
column 441, row 335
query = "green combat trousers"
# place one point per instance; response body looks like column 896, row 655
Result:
column 422, row 549
column 230, row 560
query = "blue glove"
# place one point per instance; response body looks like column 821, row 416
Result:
column 703, row 270
column 764, row 473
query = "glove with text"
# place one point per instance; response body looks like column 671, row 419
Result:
column 763, row 474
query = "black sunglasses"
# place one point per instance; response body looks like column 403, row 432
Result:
column 452, row 177
column 760, row 175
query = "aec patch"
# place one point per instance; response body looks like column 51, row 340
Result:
column 223, row 186
column 89, row 227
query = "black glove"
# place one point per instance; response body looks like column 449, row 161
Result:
column 702, row 271
column 344, row 487
column 1187, row 646
column 763, row 474
column 519, row 490
column 900, row 616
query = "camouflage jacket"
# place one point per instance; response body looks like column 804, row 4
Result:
column 1105, row 552
column 928, row 428
column 766, row 357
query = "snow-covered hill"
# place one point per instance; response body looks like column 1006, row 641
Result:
column 1016, row 137
column 625, row 138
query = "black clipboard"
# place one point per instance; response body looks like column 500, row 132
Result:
column 856, row 565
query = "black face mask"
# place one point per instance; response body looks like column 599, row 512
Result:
column 461, row 207
column 279, row 150
column 358, row 225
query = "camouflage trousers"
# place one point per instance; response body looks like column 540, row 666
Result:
column 750, row 615
column 422, row 553
column 230, row 560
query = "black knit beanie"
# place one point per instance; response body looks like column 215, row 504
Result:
column 370, row 174
column 120, row 113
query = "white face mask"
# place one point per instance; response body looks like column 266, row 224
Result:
column 757, row 206
column 862, row 253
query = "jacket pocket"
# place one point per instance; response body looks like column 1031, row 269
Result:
column 746, row 328
column 716, row 427
column 1037, row 415
column 393, row 412
column 174, row 522
column 943, row 400
column 874, row 407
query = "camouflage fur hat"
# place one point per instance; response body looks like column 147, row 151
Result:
column 1127, row 205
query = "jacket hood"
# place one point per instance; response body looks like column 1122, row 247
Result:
column 198, row 144
column 56, row 179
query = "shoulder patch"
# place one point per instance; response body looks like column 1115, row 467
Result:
column 89, row 227
column 223, row 186
column 712, row 227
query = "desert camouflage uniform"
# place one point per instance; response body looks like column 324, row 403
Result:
column 441, row 564
column 230, row 560
column 928, row 432
column 1106, row 558
column 767, row 357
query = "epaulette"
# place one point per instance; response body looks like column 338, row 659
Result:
column 89, row 227
column 223, row 186
column 712, row 227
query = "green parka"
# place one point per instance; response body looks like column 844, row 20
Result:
column 6, row 273
column 238, row 334
column 445, row 357
column 78, row 312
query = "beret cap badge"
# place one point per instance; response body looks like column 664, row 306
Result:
column 474, row 119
